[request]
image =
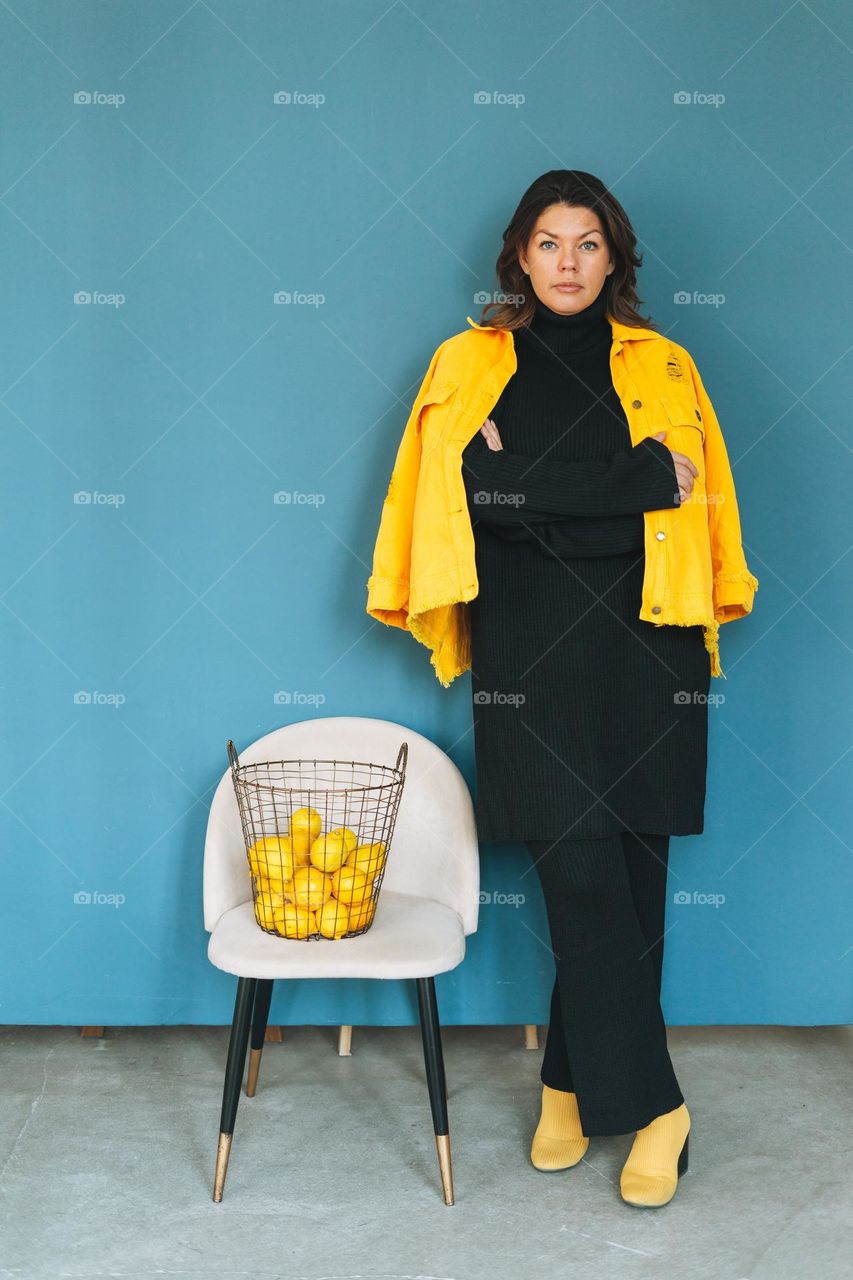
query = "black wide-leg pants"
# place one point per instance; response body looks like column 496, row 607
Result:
column 605, row 898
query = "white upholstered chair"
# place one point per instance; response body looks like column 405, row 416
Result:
column 428, row 903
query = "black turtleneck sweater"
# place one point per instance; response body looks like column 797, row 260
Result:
column 585, row 719
column 567, row 476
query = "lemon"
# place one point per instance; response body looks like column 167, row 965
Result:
column 349, row 838
column 271, row 884
column 267, row 907
column 333, row 919
column 351, row 886
column 273, row 900
column 272, row 856
column 359, row 916
column 304, row 828
column 329, row 851
column 368, row 858
column 295, row 922
column 310, row 888
column 264, row 914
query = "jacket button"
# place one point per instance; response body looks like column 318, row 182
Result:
column 636, row 404
column 698, row 415
column 656, row 608
column 660, row 535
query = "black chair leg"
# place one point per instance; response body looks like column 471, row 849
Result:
column 260, row 1016
column 233, row 1078
column 434, row 1061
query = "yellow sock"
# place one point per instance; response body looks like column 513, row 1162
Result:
column 650, row 1174
column 558, row 1142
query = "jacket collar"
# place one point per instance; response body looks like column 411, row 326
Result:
column 621, row 332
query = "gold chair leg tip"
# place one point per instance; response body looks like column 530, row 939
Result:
column 223, row 1151
column 254, row 1068
column 442, row 1142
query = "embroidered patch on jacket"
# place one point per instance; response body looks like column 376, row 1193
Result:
column 675, row 369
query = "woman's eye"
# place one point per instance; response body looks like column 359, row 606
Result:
column 593, row 243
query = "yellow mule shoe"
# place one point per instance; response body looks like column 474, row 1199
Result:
column 657, row 1158
column 559, row 1141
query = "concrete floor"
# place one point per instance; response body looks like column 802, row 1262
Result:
column 107, row 1150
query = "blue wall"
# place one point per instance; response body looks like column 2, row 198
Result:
column 182, row 599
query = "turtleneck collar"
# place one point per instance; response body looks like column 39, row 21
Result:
column 568, row 334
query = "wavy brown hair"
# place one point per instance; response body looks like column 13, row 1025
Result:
column 579, row 189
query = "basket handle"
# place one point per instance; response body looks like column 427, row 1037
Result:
column 232, row 755
column 402, row 754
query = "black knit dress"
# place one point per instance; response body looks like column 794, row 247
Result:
column 587, row 721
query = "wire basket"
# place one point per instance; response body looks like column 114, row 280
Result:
column 318, row 834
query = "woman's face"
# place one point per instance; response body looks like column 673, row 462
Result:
column 567, row 247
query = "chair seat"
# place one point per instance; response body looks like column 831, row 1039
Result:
column 411, row 937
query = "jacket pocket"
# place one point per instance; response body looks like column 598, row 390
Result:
column 436, row 411
column 683, row 413
column 681, row 420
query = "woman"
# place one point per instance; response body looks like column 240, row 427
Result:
column 598, row 746
column 590, row 722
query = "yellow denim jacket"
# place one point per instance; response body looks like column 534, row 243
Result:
column 424, row 570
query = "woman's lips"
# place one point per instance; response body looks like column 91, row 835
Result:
column 568, row 288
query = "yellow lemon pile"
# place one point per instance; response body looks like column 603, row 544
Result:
column 310, row 882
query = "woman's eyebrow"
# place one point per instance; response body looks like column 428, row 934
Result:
column 593, row 232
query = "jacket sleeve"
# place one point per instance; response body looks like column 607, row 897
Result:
column 734, row 587
column 512, row 489
column 388, row 584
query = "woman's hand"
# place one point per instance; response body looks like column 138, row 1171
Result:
column 685, row 470
column 490, row 431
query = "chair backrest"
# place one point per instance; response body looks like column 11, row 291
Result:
column 434, row 852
